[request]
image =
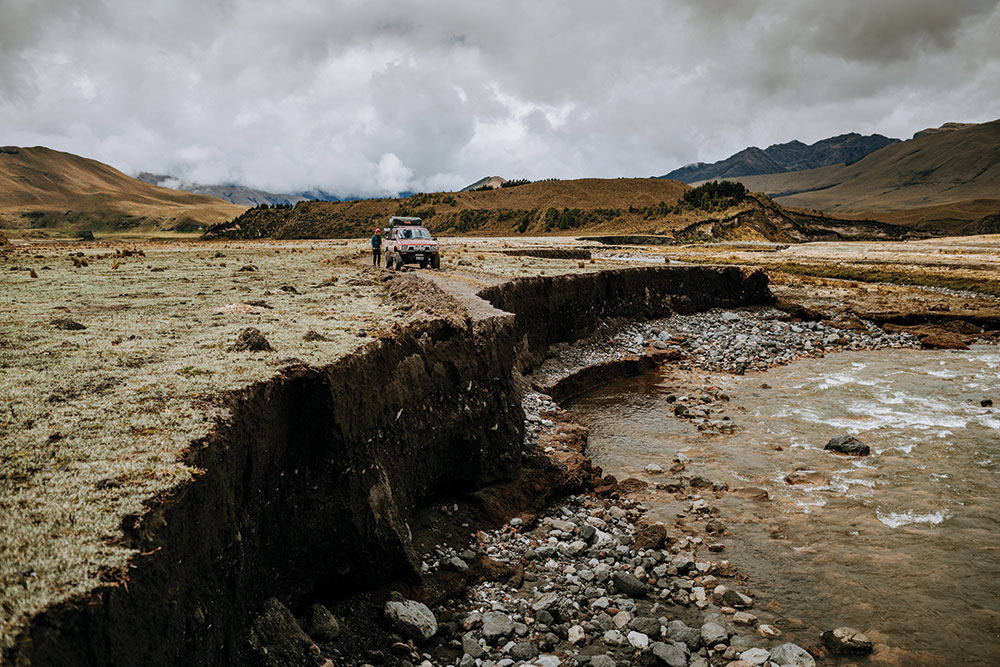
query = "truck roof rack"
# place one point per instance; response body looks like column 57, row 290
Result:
column 402, row 220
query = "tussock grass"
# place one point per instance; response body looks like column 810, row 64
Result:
column 94, row 421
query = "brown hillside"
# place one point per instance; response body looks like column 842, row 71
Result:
column 547, row 207
column 655, row 207
column 941, row 178
column 41, row 187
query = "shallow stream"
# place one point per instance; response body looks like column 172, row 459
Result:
column 903, row 545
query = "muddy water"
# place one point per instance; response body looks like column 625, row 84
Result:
column 904, row 544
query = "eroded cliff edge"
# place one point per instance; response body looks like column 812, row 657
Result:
column 308, row 479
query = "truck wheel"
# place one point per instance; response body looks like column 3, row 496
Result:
column 398, row 262
column 423, row 264
column 436, row 261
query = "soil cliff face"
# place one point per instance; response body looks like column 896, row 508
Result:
column 565, row 308
column 310, row 478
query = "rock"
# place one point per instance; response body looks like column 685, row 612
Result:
column 744, row 618
column 66, row 324
column 668, row 654
column 471, row 647
column 602, row 660
column 848, row 444
column 523, row 651
column 712, row 633
column 576, row 635
column 680, row 632
column 768, row 631
column 943, row 340
column 986, row 403
column 457, row 564
column 846, row 640
column 250, row 340
column 792, row 654
column 613, row 638
column 736, row 599
column 730, row 317
column 496, row 624
column 515, row 522
column 627, row 584
column 806, row 477
column 654, row 468
column 410, row 618
column 646, row 625
column 755, row 656
column 321, row 625
column 279, row 641
column 650, row 536
column 622, row 619
column 683, row 561
column 544, row 601
column 638, row 640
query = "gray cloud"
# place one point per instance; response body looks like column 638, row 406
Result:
column 375, row 97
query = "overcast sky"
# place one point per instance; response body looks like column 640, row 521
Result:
column 370, row 97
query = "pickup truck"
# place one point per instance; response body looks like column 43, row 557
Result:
column 407, row 241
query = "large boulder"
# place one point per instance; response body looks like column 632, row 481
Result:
column 410, row 618
column 497, row 625
column 848, row 444
column 846, row 640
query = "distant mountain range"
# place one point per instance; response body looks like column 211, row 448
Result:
column 779, row 158
column 940, row 179
column 41, row 189
column 236, row 194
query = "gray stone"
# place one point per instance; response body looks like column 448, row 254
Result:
column 602, row 660
column 458, row 564
column 471, row 647
column 848, row 444
column 669, row 654
column 755, row 656
column 792, row 654
column 736, row 599
column 627, row 584
column 496, row 624
column 638, row 640
column 647, row 626
column 680, row 632
column 544, row 601
column 523, row 651
column 712, row 633
column 846, row 640
column 321, row 625
column 410, row 618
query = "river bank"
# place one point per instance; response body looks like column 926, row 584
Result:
column 599, row 578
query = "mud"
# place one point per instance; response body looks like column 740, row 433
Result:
column 309, row 479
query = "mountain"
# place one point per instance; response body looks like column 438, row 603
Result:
column 607, row 206
column 236, row 194
column 940, row 179
column 778, row 158
column 44, row 188
column 491, row 181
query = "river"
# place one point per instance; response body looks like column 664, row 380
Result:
column 903, row 545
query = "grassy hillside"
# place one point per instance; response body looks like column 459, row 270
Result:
column 588, row 206
column 940, row 179
column 43, row 189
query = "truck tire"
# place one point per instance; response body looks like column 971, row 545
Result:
column 388, row 260
column 436, row 261
column 398, row 262
column 423, row 264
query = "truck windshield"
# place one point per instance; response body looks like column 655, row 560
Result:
column 414, row 234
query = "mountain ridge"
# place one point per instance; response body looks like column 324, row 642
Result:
column 779, row 158
column 42, row 188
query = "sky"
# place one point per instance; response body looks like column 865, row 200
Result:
column 370, row 98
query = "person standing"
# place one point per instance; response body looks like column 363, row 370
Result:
column 376, row 247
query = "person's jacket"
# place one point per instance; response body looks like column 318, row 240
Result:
column 376, row 241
